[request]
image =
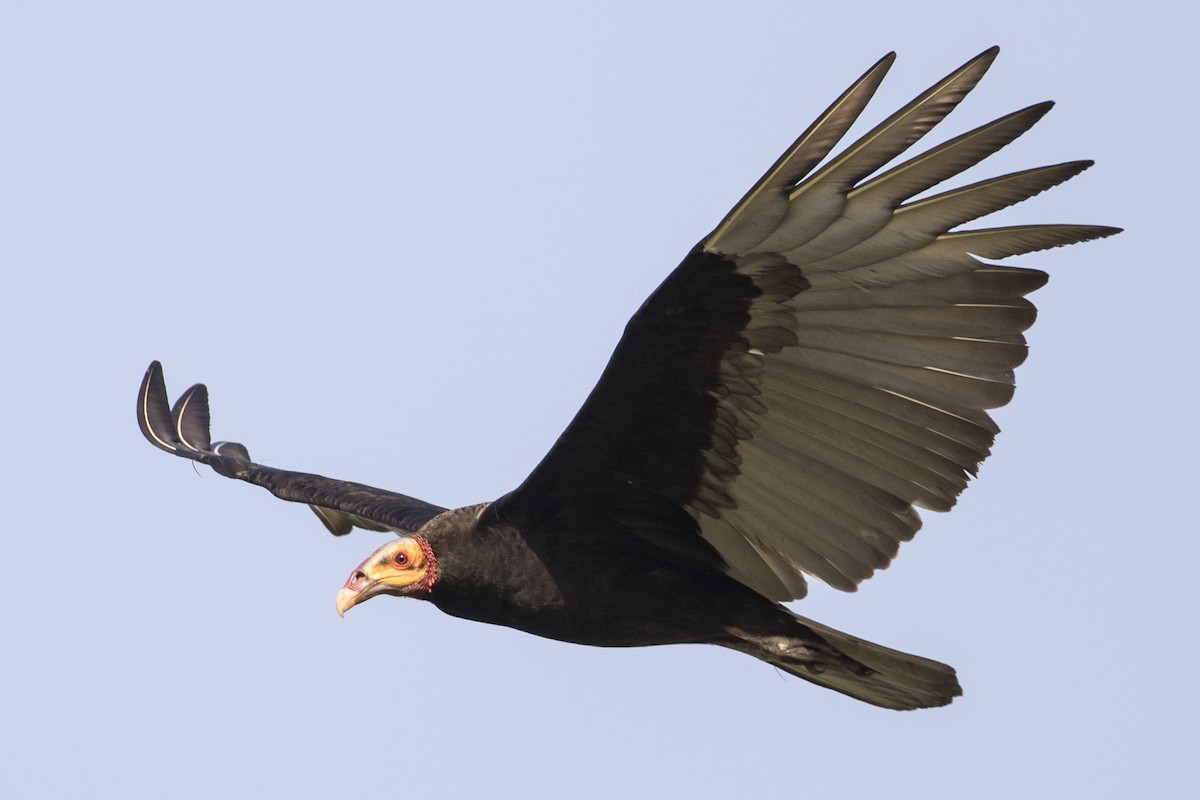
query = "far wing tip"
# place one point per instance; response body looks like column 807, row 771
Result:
column 153, row 410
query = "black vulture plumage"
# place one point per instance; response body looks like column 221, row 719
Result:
column 817, row 367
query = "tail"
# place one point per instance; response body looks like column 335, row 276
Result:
column 863, row 670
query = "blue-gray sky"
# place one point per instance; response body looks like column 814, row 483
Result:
column 398, row 242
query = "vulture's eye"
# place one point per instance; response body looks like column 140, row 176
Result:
column 400, row 559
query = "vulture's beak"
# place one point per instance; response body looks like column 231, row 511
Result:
column 357, row 589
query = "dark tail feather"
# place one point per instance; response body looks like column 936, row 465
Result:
column 874, row 674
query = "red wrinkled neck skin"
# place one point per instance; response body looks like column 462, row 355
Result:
column 425, row 585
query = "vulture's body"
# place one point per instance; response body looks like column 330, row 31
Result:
column 814, row 369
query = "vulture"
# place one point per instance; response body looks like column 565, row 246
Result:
column 814, row 370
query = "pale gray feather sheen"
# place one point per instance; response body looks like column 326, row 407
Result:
column 818, row 201
column 890, row 450
column 870, row 206
column 946, row 160
column 921, row 222
column 864, row 394
column 869, row 511
column 991, row 322
column 931, row 448
column 749, row 564
column 1011, row 241
column 758, row 213
column 878, row 528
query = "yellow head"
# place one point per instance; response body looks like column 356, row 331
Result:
column 404, row 567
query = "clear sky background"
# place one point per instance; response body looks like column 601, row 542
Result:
column 398, row 242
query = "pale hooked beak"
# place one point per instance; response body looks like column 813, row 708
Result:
column 357, row 589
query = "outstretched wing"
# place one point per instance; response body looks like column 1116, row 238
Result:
column 821, row 363
column 184, row 431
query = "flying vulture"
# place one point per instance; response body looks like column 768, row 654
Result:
column 816, row 368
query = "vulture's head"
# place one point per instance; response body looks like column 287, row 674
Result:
column 405, row 566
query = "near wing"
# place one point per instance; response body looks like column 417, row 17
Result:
column 183, row 430
column 821, row 363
